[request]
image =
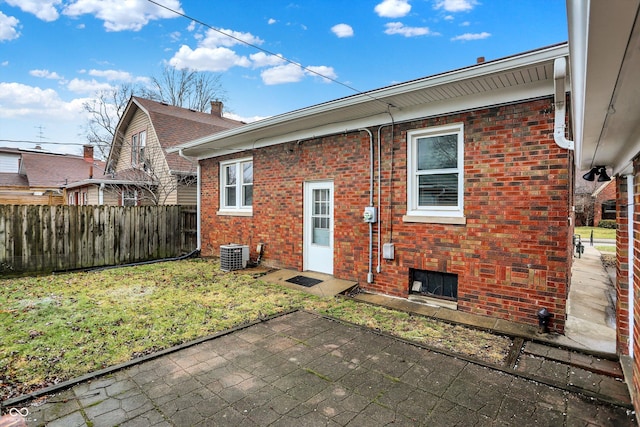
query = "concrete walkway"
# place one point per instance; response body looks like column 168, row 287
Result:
column 302, row 369
column 589, row 305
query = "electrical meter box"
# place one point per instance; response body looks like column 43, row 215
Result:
column 370, row 214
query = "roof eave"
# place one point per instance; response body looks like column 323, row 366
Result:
column 222, row 142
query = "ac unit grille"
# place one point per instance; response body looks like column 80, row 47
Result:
column 233, row 257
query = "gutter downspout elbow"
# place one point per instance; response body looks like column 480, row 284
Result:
column 560, row 104
column 198, row 202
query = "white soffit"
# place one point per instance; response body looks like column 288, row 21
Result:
column 524, row 76
column 606, row 77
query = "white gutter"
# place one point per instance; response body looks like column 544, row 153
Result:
column 631, row 258
column 559, row 78
column 198, row 201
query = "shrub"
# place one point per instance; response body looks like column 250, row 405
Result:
column 607, row 223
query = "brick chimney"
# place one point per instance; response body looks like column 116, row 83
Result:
column 216, row 108
column 88, row 153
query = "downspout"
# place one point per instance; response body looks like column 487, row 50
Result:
column 379, row 268
column 630, row 257
column 198, row 183
column 101, row 194
column 371, row 169
column 560, row 104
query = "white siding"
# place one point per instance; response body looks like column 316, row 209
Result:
column 9, row 163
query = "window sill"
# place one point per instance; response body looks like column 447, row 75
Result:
column 435, row 302
column 435, row 219
column 234, row 213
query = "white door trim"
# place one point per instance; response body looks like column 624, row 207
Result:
column 318, row 256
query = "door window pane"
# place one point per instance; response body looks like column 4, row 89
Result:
column 321, row 221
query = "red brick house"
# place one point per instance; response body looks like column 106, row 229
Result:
column 605, row 64
column 452, row 189
column 604, row 202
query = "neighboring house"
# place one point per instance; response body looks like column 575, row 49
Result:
column 139, row 167
column 605, row 65
column 35, row 177
column 604, row 202
column 452, row 190
column 594, row 201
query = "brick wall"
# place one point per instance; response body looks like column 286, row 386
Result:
column 512, row 256
column 622, row 268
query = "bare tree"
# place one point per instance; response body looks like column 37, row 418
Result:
column 183, row 88
column 105, row 111
column 186, row 88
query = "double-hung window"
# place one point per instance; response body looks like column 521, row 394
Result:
column 138, row 144
column 129, row 197
column 236, row 186
column 435, row 166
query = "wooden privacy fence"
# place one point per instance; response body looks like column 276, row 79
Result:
column 35, row 239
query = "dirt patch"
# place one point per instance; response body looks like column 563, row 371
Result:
column 608, row 261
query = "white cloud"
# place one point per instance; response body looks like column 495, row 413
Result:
column 191, row 26
column 271, row 21
column 112, row 75
column 289, row 73
column 19, row 100
column 393, row 8
column 472, row 36
column 293, row 73
column 322, row 71
column 207, row 59
column 4, row 63
column 252, row 119
column 87, row 86
column 261, row 59
column 342, row 30
column 230, row 38
column 400, row 28
column 456, row 5
column 121, row 15
column 46, row 74
column 8, row 27
column 43, row 9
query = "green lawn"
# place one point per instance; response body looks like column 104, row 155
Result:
column 598, row 233
column 58, row 327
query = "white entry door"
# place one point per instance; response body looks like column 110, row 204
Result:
column 318, row 227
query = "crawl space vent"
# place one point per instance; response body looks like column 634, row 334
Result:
column 233, row 257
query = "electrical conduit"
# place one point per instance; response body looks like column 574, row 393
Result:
column 371, row 154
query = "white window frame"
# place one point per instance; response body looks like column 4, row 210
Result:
column 238, row 208
column 134, row 198
column 434, row 214
column 138, row 144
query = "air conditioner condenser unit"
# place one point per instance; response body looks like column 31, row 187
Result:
column 233, row 257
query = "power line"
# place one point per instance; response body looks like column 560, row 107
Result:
column 204, row 24
column 43, row 142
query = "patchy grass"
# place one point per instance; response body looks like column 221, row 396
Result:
column 598, row 233
column 58, row 327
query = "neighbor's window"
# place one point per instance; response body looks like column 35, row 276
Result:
column 138, row 144
column 236, row 185
column 435, row 164
column 130, row 198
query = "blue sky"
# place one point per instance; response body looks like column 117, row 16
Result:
column 55, row 54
